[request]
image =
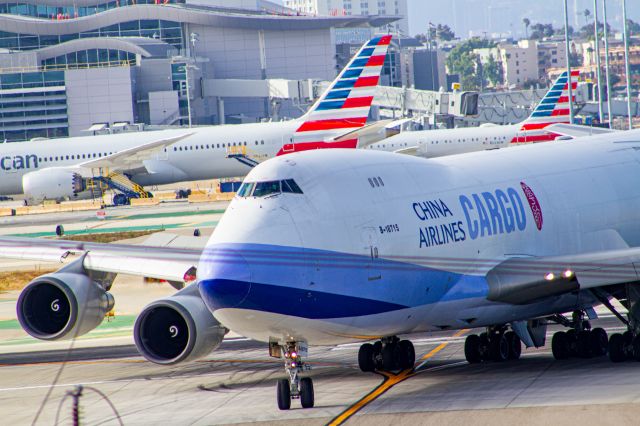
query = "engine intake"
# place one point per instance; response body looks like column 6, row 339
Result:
column 177, row 329
column 62, row 305
column 53, row 183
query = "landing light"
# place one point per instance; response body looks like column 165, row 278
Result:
column 568, row 273
column 550, row 276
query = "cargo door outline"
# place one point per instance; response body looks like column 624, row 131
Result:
column 370, row 245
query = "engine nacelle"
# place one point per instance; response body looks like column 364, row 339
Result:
column 53, row 184
column 177, row 329
column 62, row 305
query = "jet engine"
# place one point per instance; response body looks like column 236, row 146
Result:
column 177, row 329
column 62, row 305
column 53, row 184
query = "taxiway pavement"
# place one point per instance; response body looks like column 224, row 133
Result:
column 236, row 383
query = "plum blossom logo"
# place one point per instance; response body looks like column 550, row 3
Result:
column 534, row 204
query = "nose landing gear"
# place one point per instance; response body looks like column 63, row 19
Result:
column 294, row 387
column 387, row 354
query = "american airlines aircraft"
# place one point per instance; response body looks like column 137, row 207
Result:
column 552, row 109
column 336, row 246
column 59, row 169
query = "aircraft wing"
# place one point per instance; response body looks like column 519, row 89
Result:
column 524, row 280
column 164, row 263
column 132, row 158
column 410, row 150
column 577, row 131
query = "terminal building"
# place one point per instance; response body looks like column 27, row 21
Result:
column 70, row 66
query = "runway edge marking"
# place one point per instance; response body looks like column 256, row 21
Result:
column 389, row 381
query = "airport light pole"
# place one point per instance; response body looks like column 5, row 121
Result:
column 597, row 49
column 568, row 53
column 186, row 77
column 606, row 62
column 626, row 61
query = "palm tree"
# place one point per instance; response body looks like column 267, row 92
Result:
column 586, row 14
column 526, row 23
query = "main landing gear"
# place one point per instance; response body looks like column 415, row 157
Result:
column 580, row 340
column 294, row 387
column 626, row 346
column 387, row 354
column 496, row 344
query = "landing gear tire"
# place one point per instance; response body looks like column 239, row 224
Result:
column 560, row 345
column 366, row 358
column 284, row 394
column 306, row 392
column 499, row 348
column 583, row 344
column 515, row 346
column 389, row 358
column 636, row 348
column 599, row 342
column 472, row 349
column 406, row 354
column 616, row 348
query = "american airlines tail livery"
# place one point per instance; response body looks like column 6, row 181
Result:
column 336, row 246
column 552, row 109
column 72, row 168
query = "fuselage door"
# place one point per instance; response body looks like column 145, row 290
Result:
column 371, row 250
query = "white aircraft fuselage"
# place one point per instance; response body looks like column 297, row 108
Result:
column 440, row 142
column 203, row 155
column 382, row 244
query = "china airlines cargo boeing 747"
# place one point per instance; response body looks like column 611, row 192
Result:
column 552, row 109
column 59, row 169
column 337, row 246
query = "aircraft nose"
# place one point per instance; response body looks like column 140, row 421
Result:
column 227, row 281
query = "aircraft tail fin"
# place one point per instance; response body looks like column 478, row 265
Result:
column 345, row 105
column 552, row 109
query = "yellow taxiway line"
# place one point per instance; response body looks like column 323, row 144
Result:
column 390, row 380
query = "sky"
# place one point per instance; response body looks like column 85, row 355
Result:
column 504, row 17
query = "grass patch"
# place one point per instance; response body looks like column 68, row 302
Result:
column 17, row 280
column 108, row 237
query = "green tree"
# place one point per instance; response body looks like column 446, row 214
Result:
column 493, row 71
column 541, row 31
column 587, row 14
column 438, row 32
column 586, row 31
column 526, row 23
column 444, row 33
column 633, row 27
column 463, row 61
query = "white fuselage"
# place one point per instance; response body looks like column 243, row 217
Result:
column 436, row 143
column 203, row 155
column 352, row 259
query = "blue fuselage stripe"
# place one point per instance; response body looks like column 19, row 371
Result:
column 220, row 294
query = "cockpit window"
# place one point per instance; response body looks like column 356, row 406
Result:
column 291, row 186
column 263, row 189
column 245, row 189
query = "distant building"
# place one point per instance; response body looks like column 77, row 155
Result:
column 91, row 64
column 356, row 7
column 527, row 61
column 519, row 63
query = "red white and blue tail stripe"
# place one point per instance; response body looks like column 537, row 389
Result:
column 345, row 106
column 552, row 109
